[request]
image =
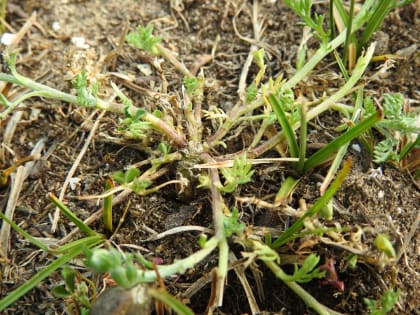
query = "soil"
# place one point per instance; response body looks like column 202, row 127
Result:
column 374, row 198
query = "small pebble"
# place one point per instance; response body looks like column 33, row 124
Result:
column 56, row 26
column 356, row 148
column 79, row 42
column 7, row 38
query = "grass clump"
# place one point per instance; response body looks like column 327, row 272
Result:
column 196, row 147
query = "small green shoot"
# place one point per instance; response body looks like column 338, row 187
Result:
column 87, row 93
column 191, row 84
column 327, row 211
column 144, row 39
column 321, row 155
column 383, row 243
column 251, row 92
column 398, row 128
column 134, row 123
column 284, row 195
column 232, row 225
column 386, row 303
column 307, row 272
column 74, row 288
column 126, row 177
column 315, row 21
column 278, row 105
column 240, row 173
column 164, row 148
column 259, row 59
column 107, row 207
column 131, row 179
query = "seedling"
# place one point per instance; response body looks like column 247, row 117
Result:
column 383, row 243
column 385, row 304
column 346, row 24
column 178, row 136
column 144, row 39
column 75, row 290
column 239, row 174
column 306, row 273
column 399, row 128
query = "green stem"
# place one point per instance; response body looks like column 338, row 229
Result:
column 46, row 91
column 302, row 138
column 180, row 266
column 331, row 19
column 302, row 293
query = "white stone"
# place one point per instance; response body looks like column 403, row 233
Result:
column 356, row 147
column 80, row 42
column 73, row 182
column 56, row 26
column 7, row 38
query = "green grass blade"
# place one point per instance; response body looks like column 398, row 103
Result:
column 320, row 54
column 349, row 25
column 171, row 301
column 375, row 21
column 37, row 278
column 25, row 234
column 302, row 137
column 285, row 124
column 87, row 241
column 319, row 204
column 341, row 11
column 331, row 20
column 341, row 65
column 408, row 147
column 286, row 189
column 79, row 223
column 321, row 155
column 343, row 150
